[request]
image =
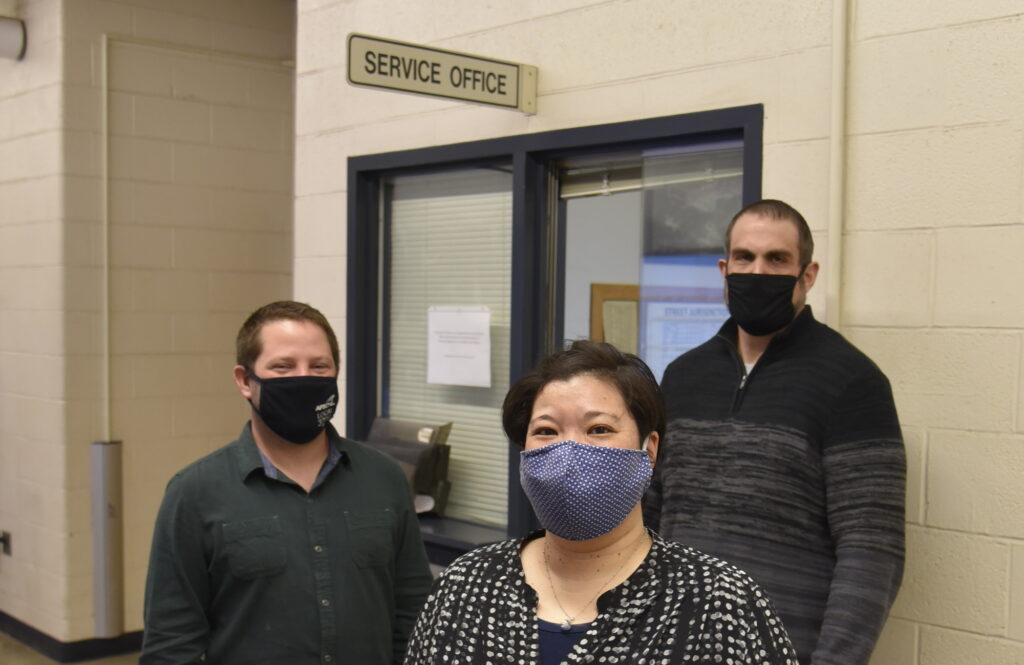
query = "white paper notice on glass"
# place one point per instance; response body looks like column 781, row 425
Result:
column 459, row 345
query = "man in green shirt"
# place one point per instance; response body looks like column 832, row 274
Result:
column 291, row 544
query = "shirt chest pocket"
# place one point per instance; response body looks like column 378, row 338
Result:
column 370, row 536
column 254, row 547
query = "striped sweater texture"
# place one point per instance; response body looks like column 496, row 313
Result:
column 796, row 474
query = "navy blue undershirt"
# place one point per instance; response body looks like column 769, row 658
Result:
column 555, row 644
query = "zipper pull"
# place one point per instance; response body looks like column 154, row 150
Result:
column 738, row 397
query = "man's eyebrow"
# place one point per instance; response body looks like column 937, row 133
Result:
column 291, row 358
column 743, row 251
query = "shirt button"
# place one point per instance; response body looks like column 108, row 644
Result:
column 318, row 548
column 325, row 602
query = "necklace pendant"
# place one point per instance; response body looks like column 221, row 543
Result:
column 566, row 626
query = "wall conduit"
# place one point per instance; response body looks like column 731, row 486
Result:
column 837, row 165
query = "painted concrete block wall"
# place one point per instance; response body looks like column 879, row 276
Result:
column 933, row 219
column 200, row 204
column 200, row 210
column 32, row 393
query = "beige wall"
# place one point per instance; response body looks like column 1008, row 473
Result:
column 33, row 502
column 199, row 214
column 933, row 223
column 934, row 214
column 200, row 232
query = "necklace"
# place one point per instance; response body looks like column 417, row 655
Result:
column 566, row 625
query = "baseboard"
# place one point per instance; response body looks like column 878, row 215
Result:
column 69, row 652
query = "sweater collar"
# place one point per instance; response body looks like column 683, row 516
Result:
column 643, row 585
column 791, row 333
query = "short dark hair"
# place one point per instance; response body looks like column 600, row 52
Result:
column 778, row 210
column 248, row 344
column 628, row 373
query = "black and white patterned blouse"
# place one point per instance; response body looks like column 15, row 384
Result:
column 679, row 606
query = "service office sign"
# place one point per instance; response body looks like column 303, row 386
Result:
column 384, row 63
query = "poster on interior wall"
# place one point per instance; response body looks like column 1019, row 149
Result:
column 670, row 329
column 459, row 345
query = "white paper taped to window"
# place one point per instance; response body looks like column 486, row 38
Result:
column 459, row 345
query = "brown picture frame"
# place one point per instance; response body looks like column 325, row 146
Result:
column 603, row 293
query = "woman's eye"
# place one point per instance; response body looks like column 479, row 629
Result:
column 543, row 431
column 600, row 429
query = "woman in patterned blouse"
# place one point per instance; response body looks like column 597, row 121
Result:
column 595, row 586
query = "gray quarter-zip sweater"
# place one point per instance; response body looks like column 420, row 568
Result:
column 796, row 474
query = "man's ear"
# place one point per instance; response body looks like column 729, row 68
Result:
column 810, row 275
column 242, row 381
column 723, row 267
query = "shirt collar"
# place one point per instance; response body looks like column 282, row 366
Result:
column 250, row 458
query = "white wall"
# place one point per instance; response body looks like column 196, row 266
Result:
column 933, row 220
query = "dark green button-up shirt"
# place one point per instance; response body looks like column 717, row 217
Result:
column 246, row 568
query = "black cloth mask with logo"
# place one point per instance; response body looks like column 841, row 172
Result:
column 297, row 408
column 761, row 304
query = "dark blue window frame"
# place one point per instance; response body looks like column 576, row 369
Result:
column 535, row 318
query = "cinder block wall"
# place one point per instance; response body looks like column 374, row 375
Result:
column 32, row 392
column 932, row 226
column 199, row 210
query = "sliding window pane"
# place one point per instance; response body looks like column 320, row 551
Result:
column 450, row 242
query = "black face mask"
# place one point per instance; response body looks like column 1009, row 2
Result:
column 761, row 304
column 297, row 408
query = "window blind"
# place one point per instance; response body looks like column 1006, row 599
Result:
column 660, row 169
column 451, row 244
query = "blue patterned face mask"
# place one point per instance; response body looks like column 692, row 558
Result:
column 580, row 491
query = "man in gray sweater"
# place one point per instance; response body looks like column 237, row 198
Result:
column 783, row 453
